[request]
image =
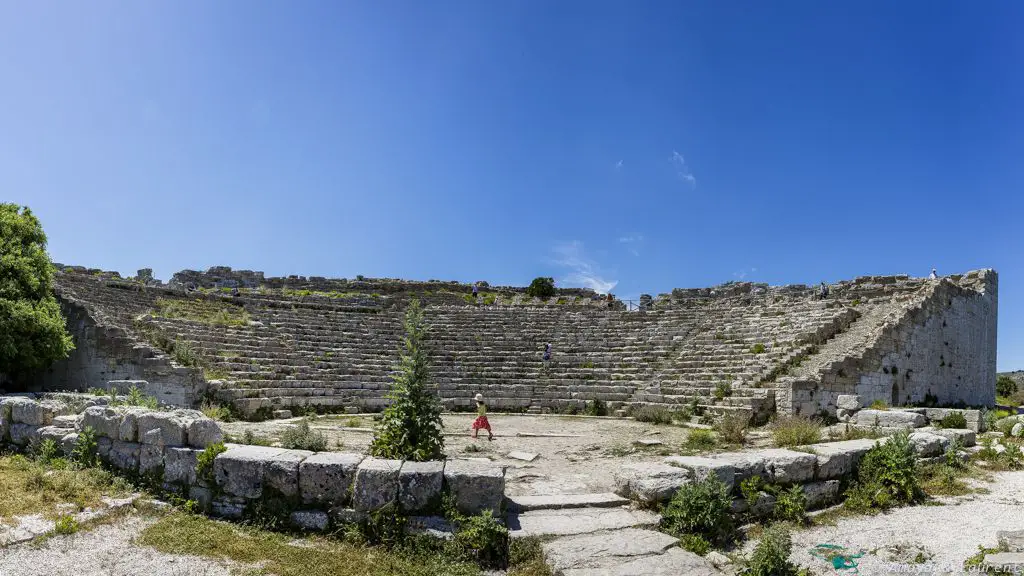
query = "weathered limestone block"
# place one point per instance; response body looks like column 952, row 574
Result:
column 310, row 520
column 124, row 455
column 104, row 420
column 788, row 466
column 28, row 411
column 180, row 465
column 419, row 485
column 890, row 419
column 326, row 478
column 973, row 417
column 967, row 437
column 927, row 445
column 52, row 433
column 5, row 419
column 248, row 471
column 162, row 429
column 227, row 506
column 649, row 483
column 128, row 431
column 851, row 402
column 821, row 494
column 1018, row 430
column 1004, row 562
column 837, row 459
column 745, row 464
column 592, row 551
column 701, row 468
column 376, row 484
column 68, row 442
column 476, row 486
column 1011, row 540
column 203, row 432
column 24, row 434
column 103, row 446
column 151, row 459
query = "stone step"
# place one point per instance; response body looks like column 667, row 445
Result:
column 622, row 552
column 577, row 521
column 563, row 501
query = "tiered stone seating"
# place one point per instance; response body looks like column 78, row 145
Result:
column 297, row 347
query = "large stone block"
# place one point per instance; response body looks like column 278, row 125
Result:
column 24, row 434
column 249, row 471
column 104, row 420
column 967, row 436
column 745, row 464
column 788, row 466
column 376, row 484
column 821, row 494
column 162, row 429
column 310, row 520
column 701, row 468
column 890, row 419
column 68, row 443
column 973, row 417
column 927, row 445
column 28, row 411
column 124, row 455
column 849, row 402
column 419, row 485
column 327, row 477
column 476, row 486
column 52, row 433
column 128, row 431
column 649, row 483
column 203, row 432
column 1011, row 540
column 838, row 459
column 180, row 465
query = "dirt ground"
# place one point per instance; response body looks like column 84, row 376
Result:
column 575, row 454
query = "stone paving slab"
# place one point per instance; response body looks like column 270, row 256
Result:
column 561, row 501
column 577, row 521
column 674, row 562
column 594, row 550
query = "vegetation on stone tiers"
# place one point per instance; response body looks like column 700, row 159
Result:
column 541, row 287
column 795, row 431
column 700, row 514
column 32, row 328
column 201, row 310
column 887, row 477
column 771, row 555
column 36, row 487
column 410, row 427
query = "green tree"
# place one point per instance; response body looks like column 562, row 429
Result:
column 32, row 328
column 541, row 287
column 1005, row 386
column 410, row 428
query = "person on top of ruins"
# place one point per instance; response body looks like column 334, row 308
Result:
column 933, row 275
column 823, row 293
column 547, row 351
column 481, row 418
column 474, row 291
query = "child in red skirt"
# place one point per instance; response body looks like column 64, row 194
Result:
column 481, row 419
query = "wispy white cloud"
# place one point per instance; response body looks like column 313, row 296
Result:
column 682, row 170
column 618, row 165
column 632, row 243
column 581, row 270
column 744, row 273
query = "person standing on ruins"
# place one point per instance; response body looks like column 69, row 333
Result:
column 547, row 352
column 824, row 291
column 933, row 275
column 481, row 418
column 474, row 292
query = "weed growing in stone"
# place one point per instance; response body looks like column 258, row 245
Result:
column 86, row 450
column 204, row 462
column 771, row 556
column 597, row 407
column 411, row 426
column 703, row 510
column 953, row 420
column 795, row 431
column 887, row 477
column 700, row 439
column 65, row 525
column 302, row 437
column 217, row 411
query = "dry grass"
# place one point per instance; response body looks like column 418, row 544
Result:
column 796, row 431
column 28, row 487
column 180, row 533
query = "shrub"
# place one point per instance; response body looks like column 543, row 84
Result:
column 135, row 397
column 597, row 407
column 86, row 451
column 723, row 390
column 483, row 539
column 790, row 504
column 1005, row 386
column 541, row 287
column 732, row 427
column 204, row 462
column 216, row 411
column 701, row 509
column 410, row 427
column 796, row 431
column 301, row 437
column 65, row 525
column 700, row 439
column 758, row 348
column 878, row 405
column 32, row 328
column 651, row 414
column 771, row 555
column 953, row 420
column 47, row 451
column 695, row 543
column 184, row 354
column 887, row 476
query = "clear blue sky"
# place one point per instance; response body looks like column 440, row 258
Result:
column 636, row 146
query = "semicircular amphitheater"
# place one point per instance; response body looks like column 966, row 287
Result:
column 264, row 344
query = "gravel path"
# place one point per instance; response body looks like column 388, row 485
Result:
column 106, row 550
column 948, row 534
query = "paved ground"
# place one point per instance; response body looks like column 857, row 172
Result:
column 576, row 455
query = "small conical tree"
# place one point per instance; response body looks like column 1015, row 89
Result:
column 410, row 428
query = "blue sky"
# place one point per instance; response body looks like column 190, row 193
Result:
column 631, row 146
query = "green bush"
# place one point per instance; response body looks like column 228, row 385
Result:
column 483, row 539
column 953, row 420
column 758, row 348
column 1005, row 386
column 204, row 462
column 732, row 427
column 695, row 543
column 47, row 451
column 771, row 555
column 700, row 439
column 410, row 427
column 301, row 437
column 796, row 431
column 651, row 414
column 723, row 390
column 65, row 525
column 32, row 328
column 86, row 452
column 597, row 407
column 790, row 505
column 887, row 476
column 701, row 509
column 541, row 287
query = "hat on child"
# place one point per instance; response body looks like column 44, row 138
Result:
column 479, row 397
